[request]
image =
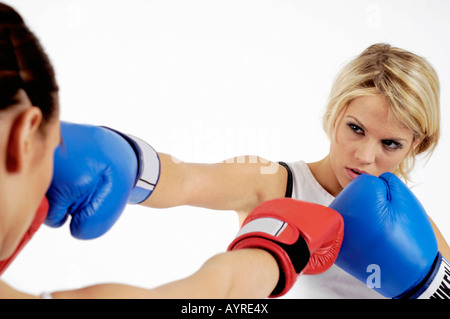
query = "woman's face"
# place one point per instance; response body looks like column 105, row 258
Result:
column 28, row 171
column 368, row 139
column 42, row 172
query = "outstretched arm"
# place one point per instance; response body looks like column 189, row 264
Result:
column 125, row 169
column 247, row 273
column 238, row 184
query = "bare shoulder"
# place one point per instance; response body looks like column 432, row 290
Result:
column 442, row 243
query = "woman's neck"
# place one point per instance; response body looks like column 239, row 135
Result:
column 324, row 174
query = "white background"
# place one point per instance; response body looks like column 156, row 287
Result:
column 206, row 81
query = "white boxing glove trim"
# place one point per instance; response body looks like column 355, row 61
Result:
column 150, row 165
column 266, row 225
column 439, row 288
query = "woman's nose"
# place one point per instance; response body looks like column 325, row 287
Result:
column 366, row 153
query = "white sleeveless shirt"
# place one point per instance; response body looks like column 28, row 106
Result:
column 334, row 283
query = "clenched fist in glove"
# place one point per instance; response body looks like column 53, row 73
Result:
column 97, row 172
column 303, row 237
column 386, row 226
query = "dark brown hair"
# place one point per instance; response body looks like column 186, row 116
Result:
column 24, row 65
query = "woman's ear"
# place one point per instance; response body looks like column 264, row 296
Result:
column 22, row 139
column 416, row 142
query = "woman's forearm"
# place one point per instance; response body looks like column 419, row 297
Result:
column 237, row 184
column 246, row 273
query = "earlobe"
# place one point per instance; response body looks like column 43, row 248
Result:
column 21, row 138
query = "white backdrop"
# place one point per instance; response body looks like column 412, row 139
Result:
column 205, row 81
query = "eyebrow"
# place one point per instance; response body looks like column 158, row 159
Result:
column 398, row 139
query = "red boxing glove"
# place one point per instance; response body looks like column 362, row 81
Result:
column 39, row 218
column 304, row 238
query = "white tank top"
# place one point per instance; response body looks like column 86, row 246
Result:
column 334, row 283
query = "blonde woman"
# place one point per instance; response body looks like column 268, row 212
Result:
column 383, row 112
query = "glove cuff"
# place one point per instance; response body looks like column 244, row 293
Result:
column 436, row 285
column 149, row 168
column 282, row 241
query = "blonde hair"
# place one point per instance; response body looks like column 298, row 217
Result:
column 407, row 81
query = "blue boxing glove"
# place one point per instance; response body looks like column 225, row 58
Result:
column 387, row 230
column 97, row 171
